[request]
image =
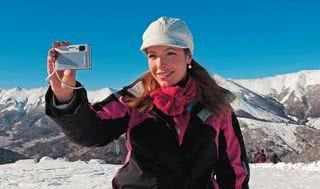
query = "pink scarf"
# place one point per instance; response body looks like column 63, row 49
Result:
column 174, row 99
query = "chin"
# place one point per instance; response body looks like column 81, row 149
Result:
column 165, row 84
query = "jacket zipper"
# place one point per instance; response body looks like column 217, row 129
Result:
column 170, row 126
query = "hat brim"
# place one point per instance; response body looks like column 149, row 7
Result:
column 163, row 41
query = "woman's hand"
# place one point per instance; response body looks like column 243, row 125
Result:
column 63, row 93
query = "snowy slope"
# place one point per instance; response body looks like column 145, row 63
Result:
column 25, row 128
column 314, row 122
column 99, row 95
column 298, row 92
column 251, row 94
column 293, row 81
column 59, row 174
column 23, row 100
column 291, row 142
column 282, row 134
column 253, row 104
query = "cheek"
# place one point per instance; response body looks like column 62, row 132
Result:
column 152, row 69
column 181, row 74
column 181, row 69
column 151, row 66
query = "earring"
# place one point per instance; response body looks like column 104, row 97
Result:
column 189, row 66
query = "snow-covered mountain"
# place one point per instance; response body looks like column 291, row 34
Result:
column 314, row 122
column 298, row 92
column 252, row 105
column 24, row 100
column 266, row 109
column 294, row 143
column 270, row 121
column 24, row 128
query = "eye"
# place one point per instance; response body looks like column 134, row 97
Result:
column 151, row 56
column 171, row 53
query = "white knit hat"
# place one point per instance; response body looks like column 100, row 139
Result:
column 168, row 31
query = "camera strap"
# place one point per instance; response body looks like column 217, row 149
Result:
column 63, row 83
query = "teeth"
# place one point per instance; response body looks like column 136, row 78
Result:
column 163, row 74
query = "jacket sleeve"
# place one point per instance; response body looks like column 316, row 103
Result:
column 232, row 171
column 86, row 124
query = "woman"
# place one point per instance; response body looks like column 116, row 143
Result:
column 180, row 130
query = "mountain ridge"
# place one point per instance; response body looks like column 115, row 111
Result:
column 26, row 129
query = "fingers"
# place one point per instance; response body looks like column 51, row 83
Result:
column 57, row 44
column 69, row 75
column 55, row 81
column 53, row 53
column 49, row 65
column 64, row 43
column 52, row 56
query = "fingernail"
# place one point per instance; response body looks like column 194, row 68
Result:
column 64, row 43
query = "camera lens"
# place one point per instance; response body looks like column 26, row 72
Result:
column 82, row 48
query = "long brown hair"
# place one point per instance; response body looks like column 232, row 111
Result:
column 209, row 93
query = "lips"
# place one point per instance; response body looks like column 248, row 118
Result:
column 164, row 75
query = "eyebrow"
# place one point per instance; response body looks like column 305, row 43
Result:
column 170, row 48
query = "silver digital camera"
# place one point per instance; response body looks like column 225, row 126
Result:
column 74, row 57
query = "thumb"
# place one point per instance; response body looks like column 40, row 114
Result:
column 69, row 76
column 69, row 73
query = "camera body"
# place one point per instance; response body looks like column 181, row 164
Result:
column 74, row 57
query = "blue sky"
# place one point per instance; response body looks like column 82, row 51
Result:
column 235, row 39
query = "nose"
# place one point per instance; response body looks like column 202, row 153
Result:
column 161, row 62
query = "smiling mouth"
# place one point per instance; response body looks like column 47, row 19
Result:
column 164, row 75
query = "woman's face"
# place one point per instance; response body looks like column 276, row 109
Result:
column 168, row 65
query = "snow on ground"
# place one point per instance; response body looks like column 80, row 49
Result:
column 60, row 174
column 56, row 174
column 285, row 176
column 314, row 122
